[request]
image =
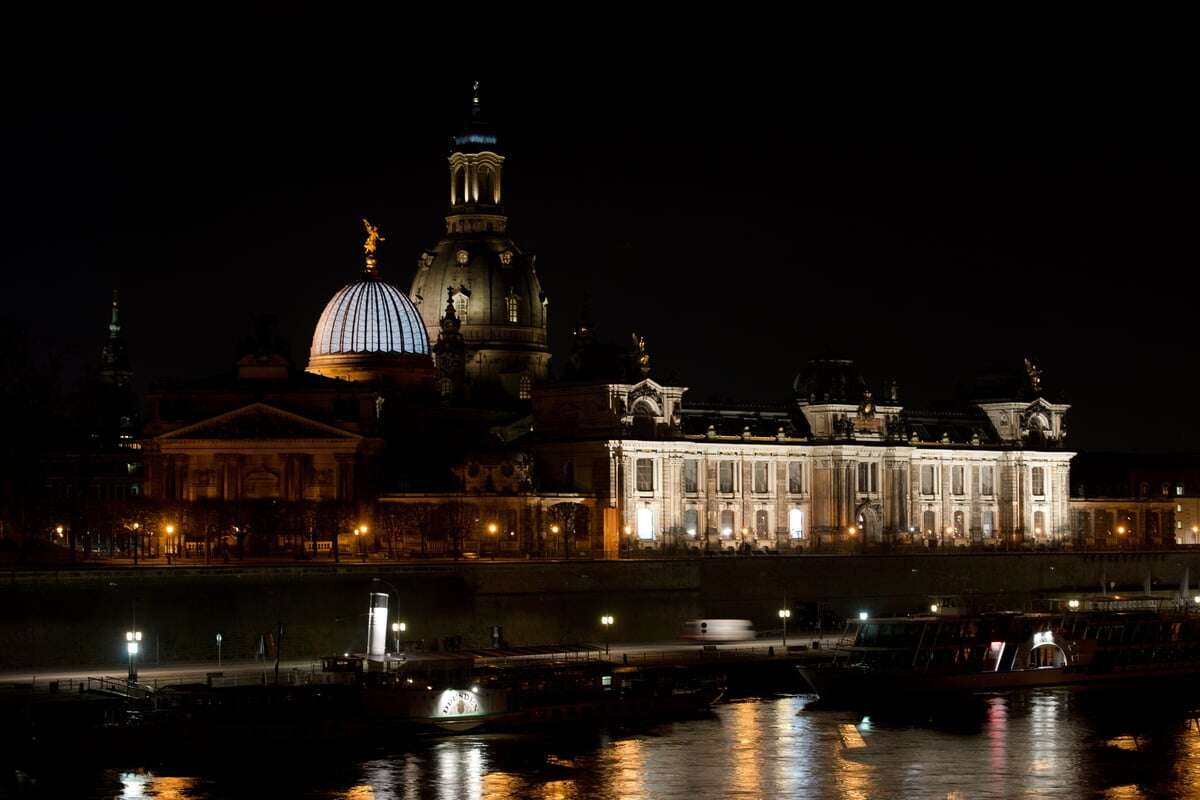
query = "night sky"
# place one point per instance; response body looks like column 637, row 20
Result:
column 744, row 207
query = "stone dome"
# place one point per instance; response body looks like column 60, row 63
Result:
column 371, row 331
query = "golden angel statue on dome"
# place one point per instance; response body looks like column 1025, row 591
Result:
column 373, row 238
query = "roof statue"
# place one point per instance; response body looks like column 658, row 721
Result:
column 643, row 358
column 373, row 238
column 1035, row 375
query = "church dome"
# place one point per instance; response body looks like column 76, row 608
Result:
column 370, row 331
column 370, row 316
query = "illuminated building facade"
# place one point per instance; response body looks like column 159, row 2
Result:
column 836, row 468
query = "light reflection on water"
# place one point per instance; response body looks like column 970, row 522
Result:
column 1042, row 744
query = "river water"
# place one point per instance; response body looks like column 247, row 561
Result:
column 1051, row 744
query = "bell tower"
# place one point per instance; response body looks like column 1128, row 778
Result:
column 475, row 167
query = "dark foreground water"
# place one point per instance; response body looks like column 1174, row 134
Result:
column 1053, row 744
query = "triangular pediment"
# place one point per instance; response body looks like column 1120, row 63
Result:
column 259, row 421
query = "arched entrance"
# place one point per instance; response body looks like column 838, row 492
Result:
column 866, row 518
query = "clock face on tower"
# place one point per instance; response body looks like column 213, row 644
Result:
column 457, row 703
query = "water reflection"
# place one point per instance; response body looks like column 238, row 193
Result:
column 1039, row 744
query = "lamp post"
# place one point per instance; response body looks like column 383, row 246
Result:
column 220, row 638
column 606, row 622
column 133, row 640
column 397, row 629
column 785, row 614
column 170, row 533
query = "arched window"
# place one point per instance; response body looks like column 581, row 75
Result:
column 514, row 313
column 446, row 387
column 526, row 387
column 460, row 306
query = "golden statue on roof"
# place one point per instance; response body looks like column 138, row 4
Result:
column 373, row 238
column 1035, row 375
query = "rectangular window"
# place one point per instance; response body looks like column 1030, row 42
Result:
column 761, row 523
column 989, row 522
column 691, row 476
column 796, row 523
column 795, row 477
column 1179, row 490
column 645, row 523
column 956, row 479
column 725, row 477
column 513, row 310
column 691, row 522
column 761, row 469
column 727, row 524
column 874, row 477
column 864, row 477
column 645, row 475
column 927, row 485
column 986, row 487
column 1039, row 482
column 1039, row 524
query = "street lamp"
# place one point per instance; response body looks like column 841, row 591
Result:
column 397, row 629
column 170, row 529
column 852, row 530
column 862, row 615
column 933, row 608
column 554, row 529
column 133, row 640
column 606, row 621
column 220, row 639
column 59, row 530
column 785, row 614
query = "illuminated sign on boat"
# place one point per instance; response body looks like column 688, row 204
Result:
column 457, row 703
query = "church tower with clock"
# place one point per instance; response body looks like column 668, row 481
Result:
column 492, row 283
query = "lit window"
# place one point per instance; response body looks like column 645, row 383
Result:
column 645, row 475
column 645, row 523
column 691, row 521
column 691, row 476
column 727, row 524
column 1039, row 482
column 513, row 313
column 989, row 522
column 526, row 387
column 460, row 306
column 447, row 387
column 761, row 524
column 956, row 479
column 796, row 523
column 1179, row 490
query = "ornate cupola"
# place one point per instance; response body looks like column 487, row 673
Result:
column 370, row 331
column 475, row 166
column 497, row 297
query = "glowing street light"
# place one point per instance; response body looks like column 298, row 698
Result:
column 1073, row 604
column 606, row 622
column 852, row 530
column 933, row 608
column 862, row 616
column 59, row 530
column 785, row 614
column 133, row 640
column 554, row 529
column 397, row 629
column 492, row 528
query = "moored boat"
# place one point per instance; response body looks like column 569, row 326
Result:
column 900, row 659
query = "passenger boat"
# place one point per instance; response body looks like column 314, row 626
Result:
column 898, row 659
column 536, row 695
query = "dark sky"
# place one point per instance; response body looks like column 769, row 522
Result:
column 746, row 201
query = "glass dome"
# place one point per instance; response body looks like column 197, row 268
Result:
column 370, row 316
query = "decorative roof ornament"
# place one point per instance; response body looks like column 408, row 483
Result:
column 643, row 358
column 866, row 409
column 371, row 245
column 1035, row 376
